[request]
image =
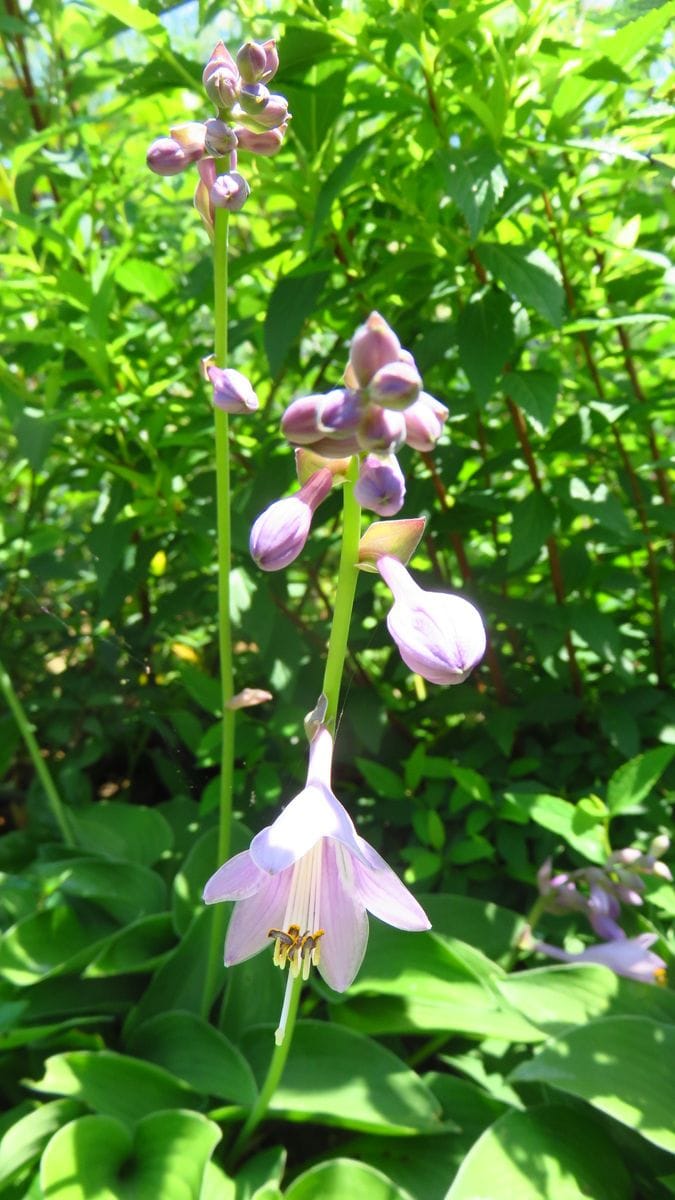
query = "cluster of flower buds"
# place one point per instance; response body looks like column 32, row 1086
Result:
column 599, row 893
column 248, row 117
column 380, row 407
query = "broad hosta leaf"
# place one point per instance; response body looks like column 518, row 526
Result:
column 165, row 1156
column 51, row 942
column 113, row 1084
column 140, row 947
column 485, row 335
column 194, row 1051
column 128, row 832
column 25, row 1140
column 533, row 520
column 541, row 1154
column 337, row 1077
column 180, row 980
column 555, row 997
column 620, row 1065
column 343, row 1177
column 125, row 890
column 531, row 276
column 634, row 780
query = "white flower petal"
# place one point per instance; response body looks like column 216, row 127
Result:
column 383, row 894
column 248, row 931
column 235, row 880
column 346, row 924
column 315, row 813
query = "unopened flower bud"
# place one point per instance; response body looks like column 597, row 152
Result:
column 381, row 429
column 167, row 157
column 251, row 61
column 191, row 136
column 300, row 422
column 202, row 200
column 230, row 191
column 252, row 98
column 221, row 78
column 396, row 385
column 424, row 421
column 341, row 412
column 273, row 114
column 271, row 59
column 232, row 391
column 380, row 486
column 660, row 845
column 374, row 345
column 220, row 137
column 280, row 532
column 266, row 142
column 440, row 636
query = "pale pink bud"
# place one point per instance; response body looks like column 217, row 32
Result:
column 381, row 429
column 274, row 113
column 230, row 191
column 268, row 142
column 280, row 532
column 440, row 636
column 396, row 385
column 334, row 446
column 251, row 61
column 373, row 346
column 341, row 413
column 232, row 391
column 300, row 422
column 220, row 137
column 380, row 486
column 221, row 78
column 424, row 420
column 191, row 136
column 202, row 199
column 271, row 59
column 167, row 157
column 252, row 98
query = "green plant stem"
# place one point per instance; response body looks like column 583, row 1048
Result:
column 337, row 649
column 274, row 1073
column 222, row 452
column 344, row 599
column 41, row 769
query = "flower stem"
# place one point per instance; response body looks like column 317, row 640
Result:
column 41, row 768
column 222, row 451
column 344, row 599
column 274, row 1073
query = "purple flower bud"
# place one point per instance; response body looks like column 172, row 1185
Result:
column 274, row 113
column 602, row 910
column 267, row 142
column 300, row 422
column 271, row 59
column 252, row 98
column 341, row 412
column 252, row 61
column 167, row 157
column 332, row 446
column 221, row 78
column 202, row 199
column 230, row 192
column 439, row 635
column 280, row 532
column 381, row 429
column 191, row 136
column 396, row 385
column 373, row 346
column 380, row 486
column 424, row 420
column 220, row 138
column 232, row 391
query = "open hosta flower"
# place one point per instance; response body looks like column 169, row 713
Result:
column 307, row 882
column 625, row 956
column 439, row 636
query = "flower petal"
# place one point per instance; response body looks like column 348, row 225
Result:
column 314, row 813
column 235, row 880
column 383, row 894
column 248, row 931
column 344, row 942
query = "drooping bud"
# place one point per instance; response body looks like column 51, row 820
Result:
column 373, row 346
column 268, row 142
column 440, row 636
column 380, row 486
column 381, row 429
column 424, row 421
column 191, row 136
column 251, row 61
column 230, row 191
column 232, row 391
column 220, row 137
column 167, row 157
column 396, row 385
column 280, row 532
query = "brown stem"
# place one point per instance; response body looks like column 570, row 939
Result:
column 26, row 79
column 661, row 477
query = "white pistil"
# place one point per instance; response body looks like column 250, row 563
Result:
column 281, row 1031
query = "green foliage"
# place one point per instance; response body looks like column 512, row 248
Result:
column 495, row 179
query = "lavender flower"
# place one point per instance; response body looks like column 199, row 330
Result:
column 380, row 486
column 625, row 956
column 308, row 881
column 439, row 635
column 232, row 391
column 279, row 534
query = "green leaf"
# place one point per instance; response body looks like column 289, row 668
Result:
column 192, row 1050
column 381, row 779
column 620, row 1065
column 26, row 1138
column 485, row 336
column 337, row 1077
column 144, row 279
column 476, row 181
column 51, row 942
column 533, row 521
column 343, row 1177
column 294, row 298
column 98, row 1157
column 582, row 827
column 181, row 979
column 536, row 392
column 554, row 998
column 545, row 1153
column 634, row 780
column 124, row 890
column 139, row 947
column 531, row 276
column 113, row 1084
column 334, row 186
column 129, row 832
